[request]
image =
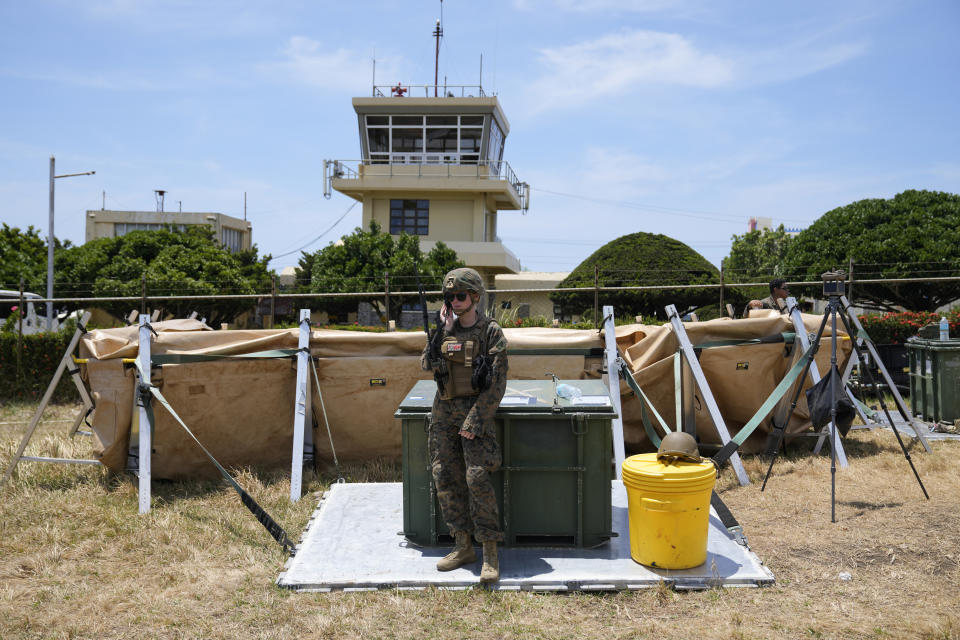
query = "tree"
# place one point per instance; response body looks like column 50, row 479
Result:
column 915, row 234
column 360, row 261
column 640, row 259
column 174, row 262
column 23, row 254
column 756, row 256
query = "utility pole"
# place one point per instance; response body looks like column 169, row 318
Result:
column 50, row 240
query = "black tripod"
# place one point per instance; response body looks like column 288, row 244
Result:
column 833, row 288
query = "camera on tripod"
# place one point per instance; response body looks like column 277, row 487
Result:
column 833, row 283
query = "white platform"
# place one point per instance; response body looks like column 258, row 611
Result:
column 352, row 543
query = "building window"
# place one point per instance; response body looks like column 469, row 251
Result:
column 231, row 239
column 495, row 146
column 425, row 139
column 123, row 228
column 410, row 216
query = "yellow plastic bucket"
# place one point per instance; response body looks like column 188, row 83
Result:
column 669, row 510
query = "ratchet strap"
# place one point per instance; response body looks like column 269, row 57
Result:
column 269, row 523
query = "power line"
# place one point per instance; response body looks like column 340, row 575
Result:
column 325, row 232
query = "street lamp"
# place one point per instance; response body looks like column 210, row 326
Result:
column 50, row 242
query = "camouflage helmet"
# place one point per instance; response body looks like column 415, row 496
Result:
column 678, row 446
column 463, row 279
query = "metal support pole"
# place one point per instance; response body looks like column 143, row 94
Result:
column 897, row 398
column 143, row 294
column 20, row 309
column 67, row 357
column 145, row 426
column 833, row 412
column 300, row 406
column 613, row 382
column 50, row 243
column 704, row 387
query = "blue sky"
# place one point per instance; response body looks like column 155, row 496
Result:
column 681, row 117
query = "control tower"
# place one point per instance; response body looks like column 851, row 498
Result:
column 432, row 165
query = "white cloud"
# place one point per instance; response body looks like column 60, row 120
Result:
column 305, row 61
column 625, row 62
column 797, row 60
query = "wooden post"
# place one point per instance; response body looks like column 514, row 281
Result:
column 596, row 296
column 386, row 296
column 721, row 289
column 850, row 281
column 273, row 301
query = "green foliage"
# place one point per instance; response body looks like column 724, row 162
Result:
column 756, row 256
column 41, row 353
column 915, row 234
column 174, row 262
column 23, row 254
column 895, row 328
column 640, row 259
column 360, row 260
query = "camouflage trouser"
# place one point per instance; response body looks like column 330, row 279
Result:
column 461, row 471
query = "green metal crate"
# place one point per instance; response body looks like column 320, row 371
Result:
column 935, row 379
column 553, row 487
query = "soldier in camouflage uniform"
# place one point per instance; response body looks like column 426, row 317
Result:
column 471, row 369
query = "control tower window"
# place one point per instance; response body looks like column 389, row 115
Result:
column 410, row 216
column 495, row 146
column 433, row 139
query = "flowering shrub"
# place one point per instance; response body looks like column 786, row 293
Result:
column 895, row 328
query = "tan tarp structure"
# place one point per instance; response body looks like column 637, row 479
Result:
column 242, row 410
column 740, row 377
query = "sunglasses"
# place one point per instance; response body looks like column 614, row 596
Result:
column 459, row 296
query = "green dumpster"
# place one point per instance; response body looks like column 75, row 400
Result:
column 935, row 379
column 554, row 484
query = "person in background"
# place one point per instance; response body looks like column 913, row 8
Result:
column 471, row 374
column 776, row 300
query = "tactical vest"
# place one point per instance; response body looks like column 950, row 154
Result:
column 460, row 353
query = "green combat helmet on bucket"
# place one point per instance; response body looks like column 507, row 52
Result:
column 678, row 446
column 463, row 279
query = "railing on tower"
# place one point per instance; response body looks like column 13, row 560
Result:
column 400, row 90
column 426, row 165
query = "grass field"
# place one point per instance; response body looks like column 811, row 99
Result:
column 77, row 561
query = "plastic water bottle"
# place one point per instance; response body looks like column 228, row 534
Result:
column 569, row 391
column 944, row 328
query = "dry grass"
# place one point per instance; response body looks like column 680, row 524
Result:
column 76, row 561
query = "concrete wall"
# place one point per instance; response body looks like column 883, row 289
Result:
column 100, row 223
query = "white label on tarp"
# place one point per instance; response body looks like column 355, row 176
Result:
column 509, row 401
column 593, row 400
column 414, row 397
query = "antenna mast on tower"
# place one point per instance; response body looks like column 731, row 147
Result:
column 437, row 33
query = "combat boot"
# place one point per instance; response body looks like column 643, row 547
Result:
column 491, row 563
column 462, row 553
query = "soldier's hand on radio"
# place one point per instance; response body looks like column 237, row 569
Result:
column 466, row 434
column 446, row 317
